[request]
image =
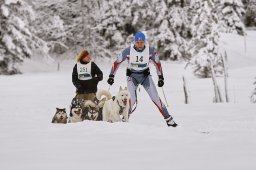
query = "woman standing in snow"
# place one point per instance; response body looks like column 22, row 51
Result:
column 86, row 76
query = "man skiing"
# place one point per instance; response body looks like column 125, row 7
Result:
column 138, row 56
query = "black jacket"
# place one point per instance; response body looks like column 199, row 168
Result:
column 87, row 86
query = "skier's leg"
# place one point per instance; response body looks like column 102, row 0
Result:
column 150, row 87
column 132, row 86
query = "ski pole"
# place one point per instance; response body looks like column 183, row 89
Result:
column 167, row 105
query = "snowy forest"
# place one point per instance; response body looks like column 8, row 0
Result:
column 194, row 108
column 178, row 29
column 181, row 30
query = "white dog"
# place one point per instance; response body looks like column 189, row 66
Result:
column 116, row 109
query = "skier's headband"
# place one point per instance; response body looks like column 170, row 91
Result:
column 83, row 54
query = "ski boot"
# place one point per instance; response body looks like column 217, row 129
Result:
column 170, row 122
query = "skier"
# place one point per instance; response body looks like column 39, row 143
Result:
column 86, row 76
column 138, row 55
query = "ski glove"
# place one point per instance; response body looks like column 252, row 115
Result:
column 111, row 80
column 160, row 81
column 96, row 79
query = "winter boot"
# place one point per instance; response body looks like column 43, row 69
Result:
column 170, row 122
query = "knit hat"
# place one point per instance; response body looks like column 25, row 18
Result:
column 139, row 36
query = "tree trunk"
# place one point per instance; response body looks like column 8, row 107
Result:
column 186, row 93
column 219, row 93
column 225, row 77
column 216, row 88
column 83, row 21
column 245, row 46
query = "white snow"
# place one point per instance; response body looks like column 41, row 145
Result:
column 8, row 42
column 5, row 10
column 20, row 24
column 209, row 136
column 8, row 2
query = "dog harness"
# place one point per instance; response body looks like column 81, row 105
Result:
column 121, row 108
column 139, row 60
column 84, row 71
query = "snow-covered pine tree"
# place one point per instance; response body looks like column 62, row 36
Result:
column 204, row 46
column 230, row 13
column 17, row 40
column 171, row 29
column 69, row 25
column 60, row 24
column 250, row 13
column 253, row 96
column 50, row 27
column 165, row 23
column 110, row 27
column 119, row 19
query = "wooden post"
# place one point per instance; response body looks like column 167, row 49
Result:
column 83, row 21
column 58, row 67
column 216, row 89
column 219, row 93
column 245, row 46
column 225, row 76
column 185, row 88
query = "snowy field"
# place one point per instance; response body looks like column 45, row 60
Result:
column 209, row 136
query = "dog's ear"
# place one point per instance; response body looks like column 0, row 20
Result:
column 120, row 88
column 53, row 119
column 125, row 88
column 101, row 104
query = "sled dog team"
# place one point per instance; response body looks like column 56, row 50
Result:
column 103, row 107
column 93, row 104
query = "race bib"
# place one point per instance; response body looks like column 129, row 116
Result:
column 84, row 71
column 139, row 60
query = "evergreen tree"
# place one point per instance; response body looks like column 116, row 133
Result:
column 250, row 13
column 69, row 25
column 17, row 40
column 230, row 13
column 204, row 45
column 171, row 30
column 165, row 23
column 59, row 24
column 111, row 26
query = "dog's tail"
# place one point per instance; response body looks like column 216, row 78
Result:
column 101, row 94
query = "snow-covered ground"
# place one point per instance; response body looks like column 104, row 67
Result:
column 209, row 136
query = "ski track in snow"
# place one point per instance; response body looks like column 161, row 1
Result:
column 209, row 136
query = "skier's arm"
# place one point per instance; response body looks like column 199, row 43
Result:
column 75, row 79
column 97, row 72
column 120, row 58
column 156, row 61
